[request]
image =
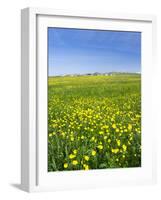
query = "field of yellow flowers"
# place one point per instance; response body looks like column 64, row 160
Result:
column 94, row 122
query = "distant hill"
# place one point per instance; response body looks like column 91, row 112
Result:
column 98, row 73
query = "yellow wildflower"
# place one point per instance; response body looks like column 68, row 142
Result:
column 82, row 137
column 100, row 146
column 75, row 151
column 113, row 125
column 105, row 137
column 109, row 140
column 71, row 156
column 86, row 158
column 129, row 127
column 63, row 134
column 65, row 165
column 93, row 153
column 75, row 162
column 100, row 132
column 117, row 130
column 115, row 150
column 50, row 134
column 124, row 147
column 86, row 167
column 118, row 142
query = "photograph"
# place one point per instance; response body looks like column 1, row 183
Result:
column 94, row 99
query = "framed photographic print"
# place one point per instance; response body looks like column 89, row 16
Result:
column 86, row 99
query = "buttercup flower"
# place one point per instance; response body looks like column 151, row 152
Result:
column 75, row 151
column 100, row 146
column 71, row 156
column 93, row 152
column 86, row 167
column 86, row 158
column 124, row 147
column 74, row 162
column 129, row 127
column 65, row 165
column 115, row 150
column 118, row 142
column 114, row 126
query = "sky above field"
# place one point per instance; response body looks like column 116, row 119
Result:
column 80, row 51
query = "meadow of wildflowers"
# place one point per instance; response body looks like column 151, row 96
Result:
column 94, row 122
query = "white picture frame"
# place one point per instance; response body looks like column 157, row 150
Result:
column 34, row 175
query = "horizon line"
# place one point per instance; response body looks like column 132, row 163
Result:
column 95, row 73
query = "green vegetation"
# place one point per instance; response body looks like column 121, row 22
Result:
column 94, row 122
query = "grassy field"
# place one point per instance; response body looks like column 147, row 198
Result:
column 94, row 122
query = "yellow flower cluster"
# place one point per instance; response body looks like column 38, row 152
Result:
column 115, row 150
column 94, row 122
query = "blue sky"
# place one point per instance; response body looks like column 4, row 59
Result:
column 86, row 51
